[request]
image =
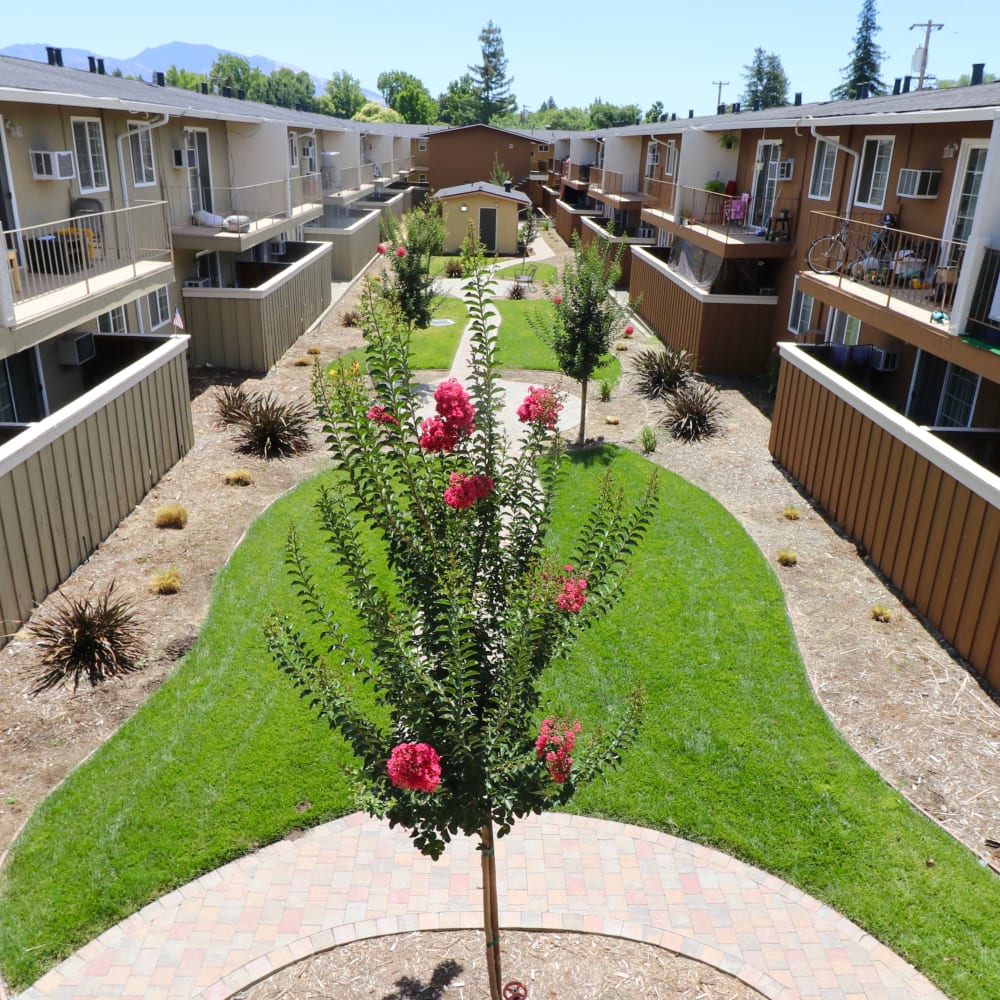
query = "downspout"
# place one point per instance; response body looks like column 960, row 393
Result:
column 839, row 148
column 146, row 126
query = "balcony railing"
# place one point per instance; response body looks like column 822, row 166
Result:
column 79, row 249
column 576, row 171
column 659, row 195
column 984, row 315
column 889, row 264
column 615, row 183
column 247, row 207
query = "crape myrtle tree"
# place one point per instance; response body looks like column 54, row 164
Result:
column 410, row 246
column 586, row 314
column 474, row 607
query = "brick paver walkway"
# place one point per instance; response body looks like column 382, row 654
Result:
column 354, row 878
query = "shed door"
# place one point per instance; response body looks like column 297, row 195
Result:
column 488, row 228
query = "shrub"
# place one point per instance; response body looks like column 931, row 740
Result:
column 171, row 515
column 606, row 386
column 453, row 268
column 692, row 411
column 620, row 345
column 230, row 404
column 647, row 439
column 792, row 513
column 516, row 291
column 351, row 317
column 166, row 582
column 96, row 638
column 881, row 613
column 271, row 428
column 787, row 557
column 660, row 372
column 238, row 477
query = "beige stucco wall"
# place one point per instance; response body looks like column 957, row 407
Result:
column 456, row 222
column 258, row 152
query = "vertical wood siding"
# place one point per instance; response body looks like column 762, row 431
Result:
column 727, row 338
column 251, row 334
column 936, row 539
column 66, row 497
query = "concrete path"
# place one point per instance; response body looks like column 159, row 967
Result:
column 355, row 878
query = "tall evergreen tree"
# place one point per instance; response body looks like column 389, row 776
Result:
column 765, row 81
column 490, row 76
column 866, row 58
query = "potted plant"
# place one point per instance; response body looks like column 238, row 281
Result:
column 715, row 186
column 728, row 140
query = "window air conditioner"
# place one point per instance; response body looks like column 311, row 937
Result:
column 52, row 166
column 786, row 168
column 76, row 348
column 884, row 360
column 185, row 159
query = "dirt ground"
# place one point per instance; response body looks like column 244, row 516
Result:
column 901, row 699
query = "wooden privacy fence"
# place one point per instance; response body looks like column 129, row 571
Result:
column 928, row 515
column 67, row 481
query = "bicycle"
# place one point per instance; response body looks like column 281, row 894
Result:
column 827, row 254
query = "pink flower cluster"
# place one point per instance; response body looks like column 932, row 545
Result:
column 416, row 766
column 465, row 490
column 380, row 415
column 456, row 417
column 574, row 592
column 540, row 406
column 555, row 744
column 381, row 248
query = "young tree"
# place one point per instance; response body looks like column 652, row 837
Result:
column 490, row 77
column 580, row 327
column 764, row 81
column 459, row 104
column 499, row 174
column 473, row 610
column 410, row 245
column 344, row 96
column 866, row 58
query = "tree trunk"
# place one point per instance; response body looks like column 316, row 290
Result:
column 583, row 412
column 491, row 917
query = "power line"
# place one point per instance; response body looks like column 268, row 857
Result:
column 928, row 28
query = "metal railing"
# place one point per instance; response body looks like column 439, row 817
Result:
column 56, row 254
column 249, row 204
column 900, row 265
column 984, row 316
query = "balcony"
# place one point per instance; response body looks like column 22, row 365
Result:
column 241, row 217
column 615, row 187
column 64, row 272
column 727, row 225
column 892, row 278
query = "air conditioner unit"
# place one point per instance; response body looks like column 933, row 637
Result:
column 198, row 283
column 277, row 248
column 883, row 360
column 185, row 159
column 786, row 168
column 76, row 348
column 52, row 165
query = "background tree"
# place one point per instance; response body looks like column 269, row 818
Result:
column 654, row 112
column 764, row 81
column 372, row 111
column 344, row 96
column 490, row 77
column 866, row 58
column 580, row 327
column 604, row 115
column 179, row 77
column 415, row 104
column 459, row 104
column 462, row 607
column 231, row 71
column 570, row 119
column 964, row 80
column 289, row 90
column 391, row 82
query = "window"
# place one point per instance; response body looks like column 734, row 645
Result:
column 824, row 162
column 843, row 329
column 652, row 158
column 873, row 179
column 140, row 144
column 600, row 155
column 92, row 165
column 422, row 145
column 800, row 315
column 958, row 397
column 112, row 322
column 158, row 303
column 293, row 150
column 670, row 163
column 309, row 156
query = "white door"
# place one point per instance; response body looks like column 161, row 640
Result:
column 200, row 175
column 765, row 182
column 965, row 191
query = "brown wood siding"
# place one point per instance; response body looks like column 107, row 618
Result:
column 727, row 338
column 936, row 539
column 566, row 223
column 251, row 334
column 64, row 499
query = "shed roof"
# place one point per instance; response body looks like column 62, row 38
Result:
column 482, row 187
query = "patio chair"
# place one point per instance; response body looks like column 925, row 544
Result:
column 735, row 211
column 526, row 276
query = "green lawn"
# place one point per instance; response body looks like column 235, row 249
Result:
column 543, row 272
column 734, row 752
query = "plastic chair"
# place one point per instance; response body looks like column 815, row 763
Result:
column 735, row 212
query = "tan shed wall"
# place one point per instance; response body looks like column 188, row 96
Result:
column 932, row 536
column 456, row 221
column 63, row 500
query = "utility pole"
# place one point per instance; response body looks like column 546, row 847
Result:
column 720, row 84
column 928, row 28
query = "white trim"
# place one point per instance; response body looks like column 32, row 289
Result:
column 140, row 130
column 54, row 426
column 812, row 309
column 950, row 460
column 83, row 120
column 961, row 169
column 828, row 144
column 699, row 293
column 153, row 325
column 891, row 139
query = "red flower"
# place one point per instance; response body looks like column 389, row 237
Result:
column 400, row 251
column 540, row 406
column 465, row 490
column 380, row 415
column 557, row 299
column 453, row 406
column 381, row 248
column 573, row 596
column 629, row 330
column 416, row 766
column 555, row 745
column 436, row 435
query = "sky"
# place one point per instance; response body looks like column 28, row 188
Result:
column 574, row 51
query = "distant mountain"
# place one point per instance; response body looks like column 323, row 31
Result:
column 183, row 55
